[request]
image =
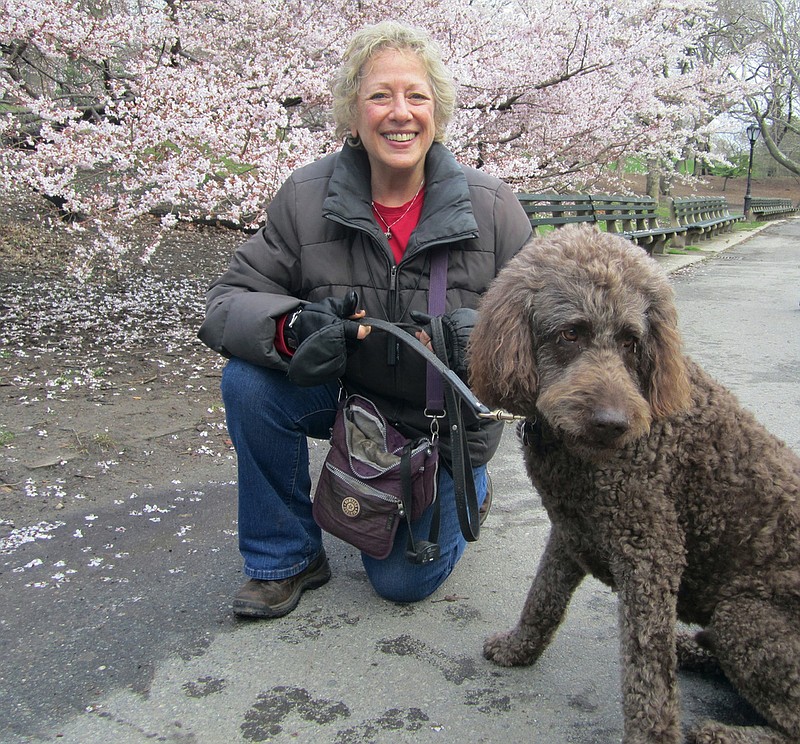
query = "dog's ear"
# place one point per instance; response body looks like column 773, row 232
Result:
column 502, row 362
column 667, row 376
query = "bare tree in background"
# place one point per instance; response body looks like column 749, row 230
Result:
column 765, row 35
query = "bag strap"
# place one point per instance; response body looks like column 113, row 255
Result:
column 418, row 551
column 424, row 551
column 437, row 304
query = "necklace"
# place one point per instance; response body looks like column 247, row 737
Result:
column 388, row 231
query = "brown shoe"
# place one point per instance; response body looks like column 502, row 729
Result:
column 277, row 598
column 483, row 512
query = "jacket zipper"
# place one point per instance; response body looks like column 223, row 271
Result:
column 392, row 344
column 393, row 288
column 393, row 267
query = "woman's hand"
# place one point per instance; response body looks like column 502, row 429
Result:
column 323, row 333
column 309, row 319
column 457, row 327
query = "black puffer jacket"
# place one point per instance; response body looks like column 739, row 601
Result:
column 320, row 240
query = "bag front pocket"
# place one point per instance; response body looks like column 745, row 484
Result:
column 354, row 511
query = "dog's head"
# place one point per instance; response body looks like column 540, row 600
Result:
column 580, row 329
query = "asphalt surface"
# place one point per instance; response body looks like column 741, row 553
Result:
column 136, row 643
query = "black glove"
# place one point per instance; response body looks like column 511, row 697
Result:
column 308, row 319
column 322, row 336
column 457, row 326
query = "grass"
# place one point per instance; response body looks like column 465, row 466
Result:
column 104, row 441
column 70, row 378
column 685, row 251
column 663, row 213
column 97, row 442
column 752, row 225
column 6, row 437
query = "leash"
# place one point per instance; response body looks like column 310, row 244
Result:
column 466, row 497
column 460, row 387
column 463, row 482
column 464, row 485
column 451, row 377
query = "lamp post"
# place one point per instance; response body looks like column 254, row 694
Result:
column 752, row 134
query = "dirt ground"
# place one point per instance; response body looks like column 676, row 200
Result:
column 106, row 390
column 733, row 189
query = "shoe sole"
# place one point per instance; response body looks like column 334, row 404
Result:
column 249, row 609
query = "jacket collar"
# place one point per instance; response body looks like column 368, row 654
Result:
column 446, row 213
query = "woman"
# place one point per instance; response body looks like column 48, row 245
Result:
column 363, row 219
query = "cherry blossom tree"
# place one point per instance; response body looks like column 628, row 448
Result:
column 199, row 109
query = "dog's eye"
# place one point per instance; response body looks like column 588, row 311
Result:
column 629, row 343
column 570, row 334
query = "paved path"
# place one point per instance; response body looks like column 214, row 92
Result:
column 115, row 627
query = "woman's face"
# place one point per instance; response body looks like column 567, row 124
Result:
column 395, row 114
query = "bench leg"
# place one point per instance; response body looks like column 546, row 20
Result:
column 658, row 246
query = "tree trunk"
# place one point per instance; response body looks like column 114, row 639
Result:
column 653, row 179
column 665, row 183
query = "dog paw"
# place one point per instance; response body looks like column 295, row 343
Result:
column 508, row 649
column 703, row 735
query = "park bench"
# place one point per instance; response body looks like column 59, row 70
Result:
column 764, row 206
column 555, row 210
column 633, row 217
column 703, row 216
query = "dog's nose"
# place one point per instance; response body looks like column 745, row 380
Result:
column 608, row 424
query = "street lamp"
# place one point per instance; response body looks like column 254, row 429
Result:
column 752, row 134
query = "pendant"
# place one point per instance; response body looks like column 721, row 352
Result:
column 388, row 234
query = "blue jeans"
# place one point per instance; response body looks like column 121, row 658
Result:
column 269, row 420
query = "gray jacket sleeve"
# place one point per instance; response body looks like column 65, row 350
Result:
column 243, row 305
column 512, row 226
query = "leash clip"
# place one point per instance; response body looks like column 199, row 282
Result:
column 500, row 415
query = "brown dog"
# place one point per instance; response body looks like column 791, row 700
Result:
column 656, row 482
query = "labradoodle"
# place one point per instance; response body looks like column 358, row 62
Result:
column 656, row 482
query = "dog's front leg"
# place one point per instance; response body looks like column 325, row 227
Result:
column 556, row 579
column 647, row 614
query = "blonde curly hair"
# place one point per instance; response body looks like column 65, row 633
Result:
column 372, row 40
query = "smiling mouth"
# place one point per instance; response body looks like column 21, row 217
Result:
column 401, row 136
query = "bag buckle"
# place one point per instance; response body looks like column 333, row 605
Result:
column 423, row 552
column 434, row 417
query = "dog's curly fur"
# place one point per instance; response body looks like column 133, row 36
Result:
column 655, row 479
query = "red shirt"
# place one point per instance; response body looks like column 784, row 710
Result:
column 403, row 220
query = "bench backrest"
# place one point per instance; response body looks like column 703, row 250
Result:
column 625, row 213
column 691, row 209
column 616, row 213
column 766, row 201
column 556, row 209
